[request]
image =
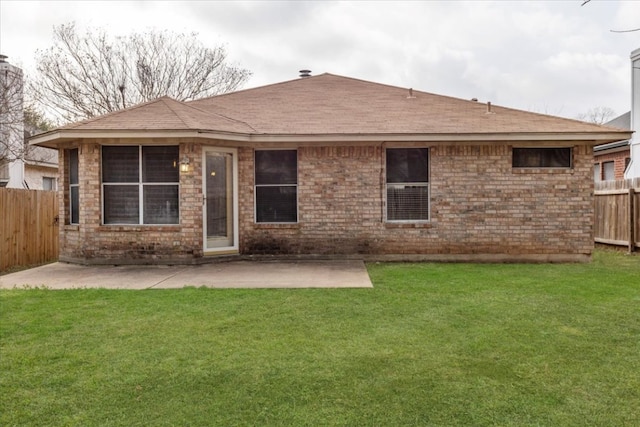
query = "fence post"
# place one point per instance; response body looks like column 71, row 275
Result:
column 632, row 231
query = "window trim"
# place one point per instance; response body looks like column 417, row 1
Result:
column 140, row 184
column 255, row 188
column 597, row 172
column 413, row 184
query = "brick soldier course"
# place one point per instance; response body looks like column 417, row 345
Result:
column 482, row 207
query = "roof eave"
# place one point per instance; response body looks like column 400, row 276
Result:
column 54, row 138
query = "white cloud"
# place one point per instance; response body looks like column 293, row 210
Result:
column 555, row 57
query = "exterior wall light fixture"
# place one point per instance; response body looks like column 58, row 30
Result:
column 184, row 164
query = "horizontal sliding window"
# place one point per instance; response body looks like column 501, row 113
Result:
column 407, row 184
column 542, row 157
column 140, row 184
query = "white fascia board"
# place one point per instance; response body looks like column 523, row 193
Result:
column 53, row 138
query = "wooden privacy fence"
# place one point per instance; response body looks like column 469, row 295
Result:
column 28, row 227
column 617, row 213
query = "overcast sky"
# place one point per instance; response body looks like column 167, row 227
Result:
column 553, row 57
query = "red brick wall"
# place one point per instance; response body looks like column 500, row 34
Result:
column 92, row 242
column 479, row 205
column 618, row 159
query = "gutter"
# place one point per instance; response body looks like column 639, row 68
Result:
column 53, row 138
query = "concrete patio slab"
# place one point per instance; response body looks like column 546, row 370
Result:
column 235, row 274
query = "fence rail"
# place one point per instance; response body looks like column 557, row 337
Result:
column 617, row 213
column 28, row 227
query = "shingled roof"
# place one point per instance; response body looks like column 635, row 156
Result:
column 330, row 105
column 161, row 114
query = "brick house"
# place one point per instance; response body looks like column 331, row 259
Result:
column 326, row 166
column 611, row 160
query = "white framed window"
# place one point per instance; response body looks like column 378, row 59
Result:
column 597, row 177
column 48, row 183
column 542, row 157
column 276, row 186
column 140, row 184
column 407, row 184
column 74, row 187
column 608, row 171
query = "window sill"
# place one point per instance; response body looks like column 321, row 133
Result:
column 71, row 227
column 421, row 224
column 139, row 228
column 542, row 170
column 277, row 225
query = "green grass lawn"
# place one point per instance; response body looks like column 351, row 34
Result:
column 430, row 344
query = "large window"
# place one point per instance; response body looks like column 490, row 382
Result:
column 74, row 190
column 140, row 184
column 542, row 157
column 276, row 180
column 407, row 184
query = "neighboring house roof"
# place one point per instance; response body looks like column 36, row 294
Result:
column 620, row 122
column 41, row 156
column 331, row 106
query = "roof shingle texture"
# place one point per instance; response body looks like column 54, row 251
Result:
column 330, row 104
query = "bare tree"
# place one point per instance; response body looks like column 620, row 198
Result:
column 82, row 76
column 597, row 115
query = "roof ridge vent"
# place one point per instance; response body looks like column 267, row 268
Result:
column 411, row 95
column 305, row 73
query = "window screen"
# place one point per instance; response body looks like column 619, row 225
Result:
column 140, row 185
column 74, row 188
column 120, row 164
column 542, row 157
column 407, row 177
column 276, row 185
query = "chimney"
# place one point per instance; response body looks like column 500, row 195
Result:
column 305, row 73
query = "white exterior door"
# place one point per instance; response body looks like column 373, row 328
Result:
column 220, row 180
